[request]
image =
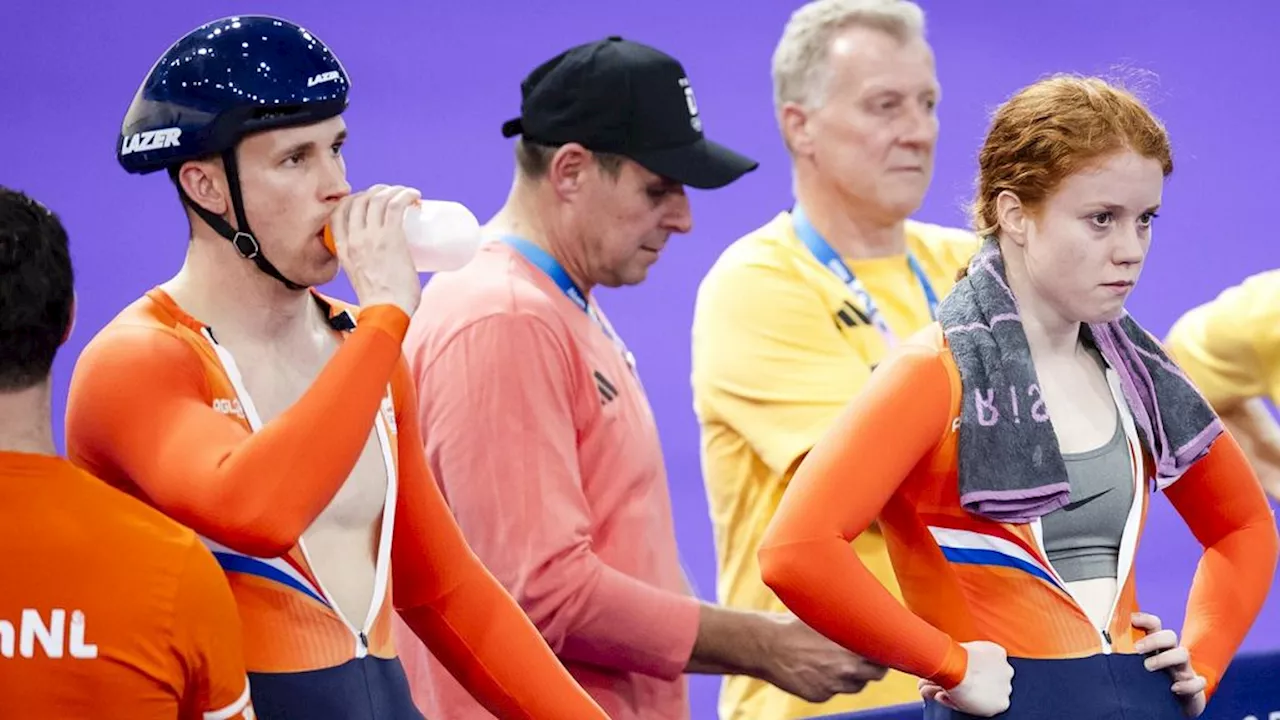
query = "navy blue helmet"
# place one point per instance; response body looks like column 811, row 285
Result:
column 222, row 81
column 226, row 79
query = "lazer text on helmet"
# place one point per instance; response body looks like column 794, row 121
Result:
column 151, row 140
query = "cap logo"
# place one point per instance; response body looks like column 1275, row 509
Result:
column 692, row 103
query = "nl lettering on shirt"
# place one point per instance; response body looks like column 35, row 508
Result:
column 57, row 638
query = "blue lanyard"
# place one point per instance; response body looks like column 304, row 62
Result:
column 543, row 260
column 828, row 257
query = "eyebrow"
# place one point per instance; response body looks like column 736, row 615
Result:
column 308, row 144
column 878, row 90
column 1113, row 207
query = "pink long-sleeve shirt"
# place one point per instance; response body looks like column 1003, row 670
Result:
column 546, row 450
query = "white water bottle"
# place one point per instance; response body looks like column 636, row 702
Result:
column 442, row 235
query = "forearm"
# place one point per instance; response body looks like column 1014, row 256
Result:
column 1226, row 511
column 1254, row 428
column 488, row 644
column 1226, row 596
column 605, row 618
column 828, row 587
column 1258, row 434
column 730, row 642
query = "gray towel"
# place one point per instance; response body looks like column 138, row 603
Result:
column 1011, row 469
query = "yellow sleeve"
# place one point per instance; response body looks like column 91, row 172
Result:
column 1230, row 346
column 769, row 359
column 963, row 245
column 948, row 249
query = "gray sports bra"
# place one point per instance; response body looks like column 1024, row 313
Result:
column 1083, row 538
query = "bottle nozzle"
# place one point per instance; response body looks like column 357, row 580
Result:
column 329, row 244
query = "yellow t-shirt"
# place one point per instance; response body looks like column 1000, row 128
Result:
column 1230, row 346
column 775, row 360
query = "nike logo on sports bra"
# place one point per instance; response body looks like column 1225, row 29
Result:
column 1084, row 501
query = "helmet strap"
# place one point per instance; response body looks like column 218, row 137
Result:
column 243, row 240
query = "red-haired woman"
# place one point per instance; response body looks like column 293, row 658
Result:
column 1010, row 450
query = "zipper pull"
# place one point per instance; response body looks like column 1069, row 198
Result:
column 364, row 640
column 1107, row 635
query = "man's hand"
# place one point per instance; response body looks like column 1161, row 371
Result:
column 801, row 661
column 368, row 235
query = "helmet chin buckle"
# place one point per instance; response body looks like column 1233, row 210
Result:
column 246, row 244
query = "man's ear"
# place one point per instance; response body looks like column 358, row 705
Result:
column 567, row 172
column 205, row 182
column 794, row 121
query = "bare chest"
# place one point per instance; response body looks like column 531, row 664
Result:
column 275, row 384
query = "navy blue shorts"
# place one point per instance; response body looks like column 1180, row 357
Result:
column 365, row 689
column 1101, row 687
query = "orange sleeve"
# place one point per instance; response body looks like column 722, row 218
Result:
column 1225, row 508
column 458, row 609
column 139, row 407
column 806, row 558
column 208, row 635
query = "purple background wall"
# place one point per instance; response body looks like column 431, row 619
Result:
column 433, row 82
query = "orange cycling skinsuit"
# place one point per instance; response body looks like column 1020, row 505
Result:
column 892, row 458
column 199, row 454
column 157, row 408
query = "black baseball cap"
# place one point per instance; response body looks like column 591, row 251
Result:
column 621, row 97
